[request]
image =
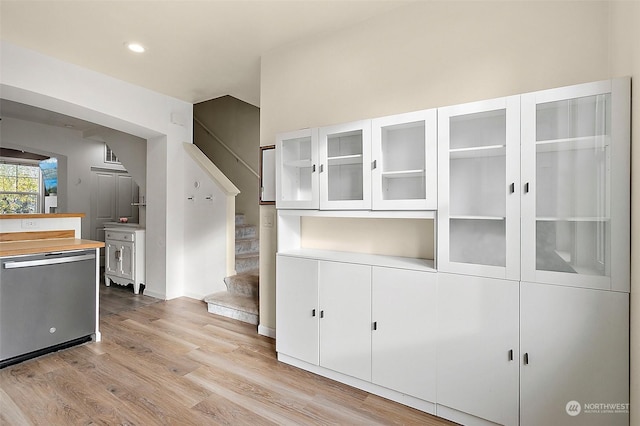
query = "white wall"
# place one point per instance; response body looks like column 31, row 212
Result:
column 34, row 79
column 625, row 60
column 76, row 156
column 206, row 248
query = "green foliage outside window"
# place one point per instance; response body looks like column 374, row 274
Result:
column 19, row 188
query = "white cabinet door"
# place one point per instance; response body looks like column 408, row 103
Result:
column 112, row 257
column 479, row 188
column 127, row 260
column 345, row 318
column 404, row 306
column 575, row 171
column 297, row 308
column 478, row 347
column 575, row 347
column 404, row 154
column 297, row 170
column 345, row 166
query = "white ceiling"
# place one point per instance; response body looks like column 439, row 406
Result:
column 196, row 49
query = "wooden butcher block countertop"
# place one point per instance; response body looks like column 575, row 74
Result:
column 12, row 248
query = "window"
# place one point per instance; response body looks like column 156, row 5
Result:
column 19, row 188
column 109, row 155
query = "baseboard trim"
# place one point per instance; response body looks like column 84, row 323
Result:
column 410, row 401
column 266, row 331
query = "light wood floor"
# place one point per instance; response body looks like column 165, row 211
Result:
column 174, row 363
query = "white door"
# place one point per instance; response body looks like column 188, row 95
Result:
column 478, row 347
column 479, row 188
column 575, row 347
column 345, row 166
column 297, row 170
column 404, row 307
column 103, row 202
column 297, row 308
column 575, row 171
column 404, row 170
column 345, row 318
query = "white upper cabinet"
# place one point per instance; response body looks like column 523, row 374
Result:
column 297, row 169
column 404, row 169
column 478, row 188
column 575, row 176
column 345, row 166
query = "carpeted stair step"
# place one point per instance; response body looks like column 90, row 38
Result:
column 248, row 245
column 236, row 306
column 245, row 232
column 239, row 219
column 247, row 262
column 245, row 284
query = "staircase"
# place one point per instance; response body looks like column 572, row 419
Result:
column 240, row 301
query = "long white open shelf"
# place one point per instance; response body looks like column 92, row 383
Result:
column 345, row 159
column 573, row 219
column 470, row 217
column 403, row 174
column 364, row 214
column 477, row 151
column 425, row 265
column 568, row 144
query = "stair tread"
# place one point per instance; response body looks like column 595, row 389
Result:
column 235, row 301
column 247, row 255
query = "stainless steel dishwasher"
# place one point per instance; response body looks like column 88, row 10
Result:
column 47, row 302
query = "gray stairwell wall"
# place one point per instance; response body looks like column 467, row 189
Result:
column 237, row 123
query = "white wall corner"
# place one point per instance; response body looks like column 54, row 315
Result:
column 266, row 331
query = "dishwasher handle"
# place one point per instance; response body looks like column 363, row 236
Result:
column 44, row 262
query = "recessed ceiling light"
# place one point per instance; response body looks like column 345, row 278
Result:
column 135, row 47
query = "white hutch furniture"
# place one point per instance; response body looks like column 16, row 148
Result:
column 124, row 256
column 524, row 312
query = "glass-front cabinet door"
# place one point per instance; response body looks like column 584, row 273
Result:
column 296, row 170
column 478, row 188
column 404, row 169
column 575, row 168
column 345, row 166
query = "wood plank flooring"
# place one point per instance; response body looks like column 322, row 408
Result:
column 171, row 362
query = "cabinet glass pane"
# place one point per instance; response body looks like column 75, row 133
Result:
column 403, row 161
column 477, row 188
column 483, row 129
column 478, row 241
column 345, row 166
column 573, row 188
column 297, row 169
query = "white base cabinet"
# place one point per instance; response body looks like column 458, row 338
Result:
column 403, row 345
column 478, row 347
column 570, row 349
column 371, row 323
column 575, row 347
column 124, row 257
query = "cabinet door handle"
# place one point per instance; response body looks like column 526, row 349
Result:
column 321, row 314
column 526, row 358
column 526, row 188
column 374, row 165
column 321, row 168
column 313, row 168
column 375, row 325
column 313, row 313
column 512, row 187
column 510, row 354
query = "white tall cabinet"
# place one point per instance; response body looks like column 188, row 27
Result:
column 479, row 187
column 523, row 316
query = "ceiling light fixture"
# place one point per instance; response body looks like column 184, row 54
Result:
column 135, row 47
